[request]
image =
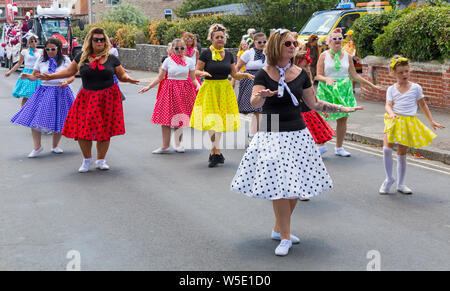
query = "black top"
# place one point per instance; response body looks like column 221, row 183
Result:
column 219, row 70
column 290, row 118
column 95, row 79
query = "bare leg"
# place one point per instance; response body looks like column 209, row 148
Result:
column 341, row 129
column 24, row 100
column 166, row 132
column 254, row 125
column 292, row 204
column 56, row 139
column 36, row 139
column 86, row 148
column 178, row 135
column 282, row 211
column 102, row 149
column 215, row 140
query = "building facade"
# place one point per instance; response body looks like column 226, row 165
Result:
column 23, row 7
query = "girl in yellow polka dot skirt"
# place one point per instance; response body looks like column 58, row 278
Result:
column 401, row 126
column 216, row 109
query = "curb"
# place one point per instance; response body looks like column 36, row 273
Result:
column 433, row 154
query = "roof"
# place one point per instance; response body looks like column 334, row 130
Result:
column 230, row 9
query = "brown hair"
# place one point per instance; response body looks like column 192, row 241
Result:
column 398, row 63
column 214, row 28
column 274, row 46
column 187, row 35
column 88, row 50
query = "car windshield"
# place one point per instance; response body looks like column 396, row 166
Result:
column 321, row 23
column 56, row 26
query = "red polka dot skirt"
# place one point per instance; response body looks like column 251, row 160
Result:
column 320, row 130
column 174, row 103
column 96, row 115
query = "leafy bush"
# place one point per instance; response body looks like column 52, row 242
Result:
column 368, row 27
column 126, row 36
column 111, row 29
column 127, row 14
column 421, row 34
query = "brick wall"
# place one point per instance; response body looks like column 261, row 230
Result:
column 434, row 78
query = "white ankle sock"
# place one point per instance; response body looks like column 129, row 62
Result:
column 388, row 163
column 401, row 169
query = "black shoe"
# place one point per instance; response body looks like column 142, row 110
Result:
column 221, row 159
column 210, row 158
column 215, row 159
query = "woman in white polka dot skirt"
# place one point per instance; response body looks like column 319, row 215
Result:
column 282, row 162
column 176, row 96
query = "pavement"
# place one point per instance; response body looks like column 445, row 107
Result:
column 172, row 212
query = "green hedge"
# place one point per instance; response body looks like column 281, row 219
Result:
column 236, row 27
column 111, row 29
column 423, row 34
column 419, row 33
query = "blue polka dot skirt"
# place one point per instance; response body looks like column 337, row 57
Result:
column 25, row 88
column 282, row 165
column 46, row 110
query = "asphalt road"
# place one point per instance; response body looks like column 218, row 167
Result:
column 171, row 212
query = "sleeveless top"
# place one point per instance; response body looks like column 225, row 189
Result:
column 329, row 70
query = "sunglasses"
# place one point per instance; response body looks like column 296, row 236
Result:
column 179, row 48
column 289, row 43
column 337, row 38
column 261, row 41
column 51, row 49
column 95, row 39
column 32, row 41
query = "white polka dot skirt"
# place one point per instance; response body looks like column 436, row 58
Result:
column 281, row 165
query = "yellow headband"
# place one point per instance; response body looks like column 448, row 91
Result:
column 395, row 61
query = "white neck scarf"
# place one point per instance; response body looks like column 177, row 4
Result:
column 282, row 84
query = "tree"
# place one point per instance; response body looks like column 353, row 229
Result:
column 190, row 5
column 127, row 14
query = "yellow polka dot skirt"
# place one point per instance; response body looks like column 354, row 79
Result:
column 408, row 131
column 216, row 107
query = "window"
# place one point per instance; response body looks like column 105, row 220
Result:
column 347, row 22
column 112, row 2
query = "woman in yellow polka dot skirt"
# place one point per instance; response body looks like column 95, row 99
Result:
column 216, row 109
column 401, row 124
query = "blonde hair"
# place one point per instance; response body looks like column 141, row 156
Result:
column 187, row 35
column 274, row 46
column 214, row 28
column 88, row 50
column 398, row 63
column 335, row 31
column 240, row 45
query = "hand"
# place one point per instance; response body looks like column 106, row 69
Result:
column 206, row 75
column 198, row 87
column 351, row 109
column 266, row 93
column 326, row 115
column 64, row 84
column 44, row 77
column 392, row 116
column 330, row 81
column 143, row 90
column 132, row 81
column 23, row 76
column 436, row 125
column 250, row 76
column 8, row 74
column 379, row 88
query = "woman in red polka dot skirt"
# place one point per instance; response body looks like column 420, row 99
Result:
column 97, row 113
column 176, row 96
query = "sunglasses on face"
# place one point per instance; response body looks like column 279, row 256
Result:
column 179, row 48
column 337, row 38
column 261, row 41
column 289, row 43
column 95, row 39
column 51, row 49
column 189, row 38
column 33, row 41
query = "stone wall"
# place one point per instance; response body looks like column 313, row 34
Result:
column 146, row 57
column 434, row 78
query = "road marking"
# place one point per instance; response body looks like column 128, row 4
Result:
column 441, row 169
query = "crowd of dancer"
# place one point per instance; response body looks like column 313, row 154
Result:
column 288, row 131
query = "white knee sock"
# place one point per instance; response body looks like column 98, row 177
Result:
column 401, row 170
column 388, row 163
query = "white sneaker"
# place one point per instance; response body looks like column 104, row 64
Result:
column 403, row 189
column 277, row 236
column 323, row 149
column 180, row 149
column 303, row 199
column 102, row 165
column 85, row 165
column 283, row 247
column 341, row 152
column 161, row 151
column 386, row 186
column 57, row 150
column 35, row 153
